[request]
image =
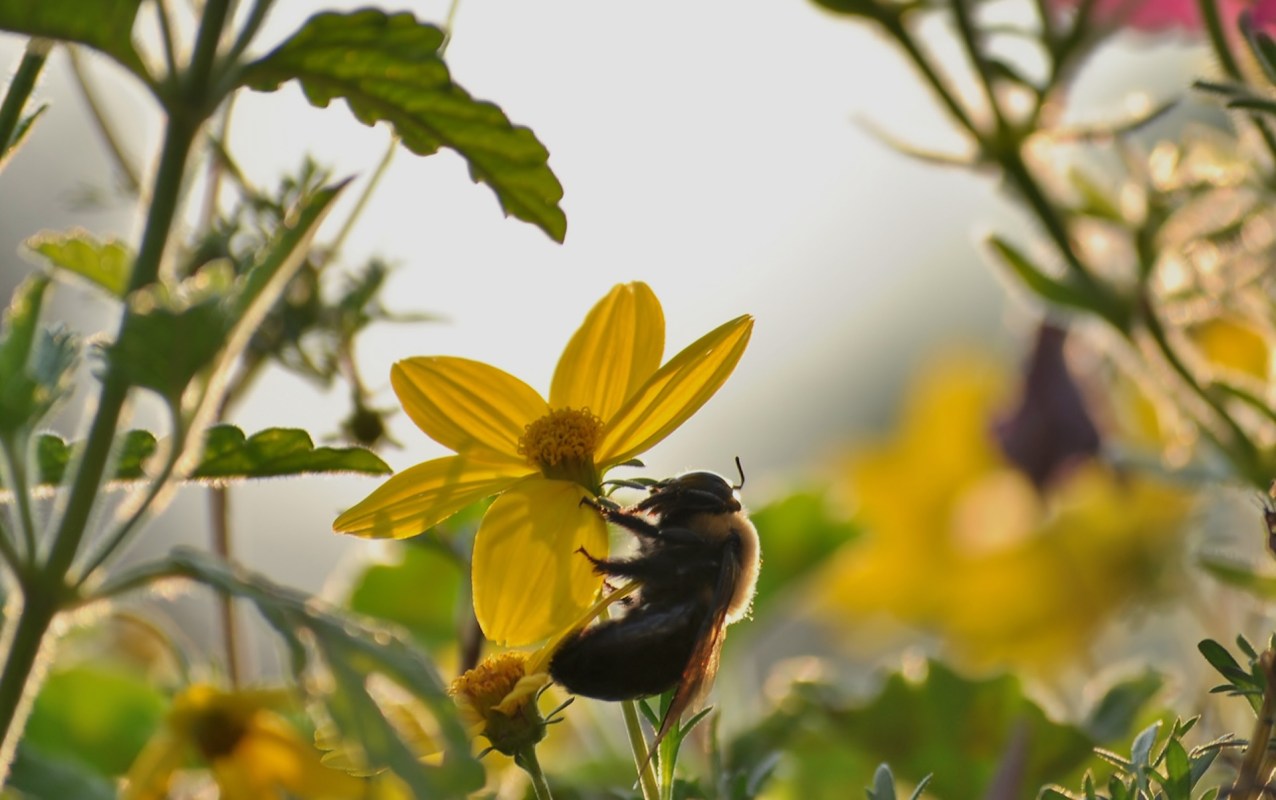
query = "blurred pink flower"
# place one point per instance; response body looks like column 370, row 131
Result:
column 1155, row 16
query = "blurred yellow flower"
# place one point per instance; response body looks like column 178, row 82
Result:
column 251, row 751
column 1234, row 345
column 609, row 401
column 959, row 541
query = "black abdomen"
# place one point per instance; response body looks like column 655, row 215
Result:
column 640, row 654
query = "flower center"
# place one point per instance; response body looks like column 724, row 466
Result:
column 562, row 444
column 217, row 732
column 487, row 684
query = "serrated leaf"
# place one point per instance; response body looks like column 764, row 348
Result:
column 164, row 348
column 275, row 452
column 53, row 454
column 387, row 67
column 106, row 264
column 95, row 716
column 105, row 25
column 349, row 649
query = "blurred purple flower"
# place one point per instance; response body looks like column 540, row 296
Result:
column 1050, row 429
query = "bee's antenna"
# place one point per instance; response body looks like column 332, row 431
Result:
column 740, row 470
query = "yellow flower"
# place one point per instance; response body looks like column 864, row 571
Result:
column 1233, row 344
column 497, row 699
column 251, row 751
column 960, row 542
column 610, row 400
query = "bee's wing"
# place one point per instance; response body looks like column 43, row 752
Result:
column 699, row 673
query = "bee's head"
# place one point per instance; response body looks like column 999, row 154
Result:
column 690, row 493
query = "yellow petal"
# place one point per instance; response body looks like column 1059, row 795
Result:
column 420, row 497
column 151, row 772
column 467, row 405
column 674, row 393
column 616, row 349
column 529, row 581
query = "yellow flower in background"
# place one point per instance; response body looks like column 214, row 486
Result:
column 1234, row 345
column 610, row 400
column 251, row 751
column 959, row 541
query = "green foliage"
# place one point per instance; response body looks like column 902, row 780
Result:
column 387, row 67
column 105, row 25
column 348, row 650
column 228, row 455
column 1242, row 576
column 800, row 531
column 1152, row 772
column 276, row 452
column 883, row 787
column 53, row 455
column 1239, row 682
column 166, row 342
column 35, row 365
column 105, row 264
column 97, row 716
column 36, row 775
column 427, row 573
column 965, row 733
column 1036, row 279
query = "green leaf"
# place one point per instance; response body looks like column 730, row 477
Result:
column 1115, row 713
column 35, row 365
column 164, row 344
column 53, row 454
column 789, row 558
column 95, row 716
column 106, row 264
column 1241, row 576
column 275, row 452
column 1178, row 768
column 957, row 729
column 36, row 775
column 20, row 131
column 105, row 25
column 1094, row 199
column 350, row 650
column 1050, row 289
column 420, row 591
column 883, row 784
column 387, row 67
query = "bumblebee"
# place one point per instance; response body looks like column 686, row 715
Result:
column 697, row 563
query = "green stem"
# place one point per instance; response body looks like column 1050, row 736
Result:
column 532, row 766
column 638, row 745
column 9, row 551
column 44, row 593
column 894, row 26
column 105, row 129
column 1218, row 39
column 17, row 689
column 15, row 475
column 1239, row 449
column 970, row 41
column 20, row 89
column 219, row 514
